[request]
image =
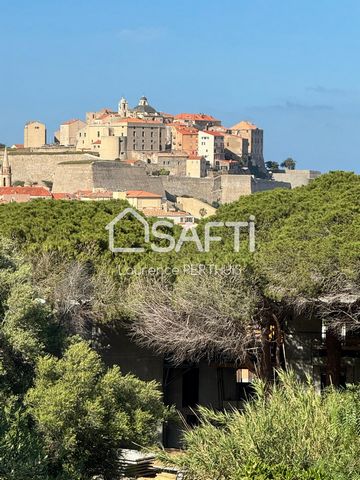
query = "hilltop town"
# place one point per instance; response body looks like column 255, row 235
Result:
column 180, row 166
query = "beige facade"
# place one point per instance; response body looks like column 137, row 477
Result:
column 140, row 199
column 235, row 146
column 255, row 138
column 174, row 162
column 196, row 166
column 68, row 131
column 34, row 135
column 196, row 207
column 211, row 146
column 142, row 137
column 109, row 147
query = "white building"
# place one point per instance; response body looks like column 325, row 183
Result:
column 211, row 146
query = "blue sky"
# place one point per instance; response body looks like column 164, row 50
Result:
column 291, row 66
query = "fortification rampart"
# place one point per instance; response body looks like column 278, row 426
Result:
column 40, row 166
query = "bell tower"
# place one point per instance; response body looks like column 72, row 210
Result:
column 5, row 173
column 123, row 109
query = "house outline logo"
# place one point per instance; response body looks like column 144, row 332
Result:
column 111, row 225
column 183, row 238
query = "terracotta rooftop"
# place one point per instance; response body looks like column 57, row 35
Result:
column 98, row 142
column 215, row 134
column 195, row 117
column 31, row 191
column 62, row 196
column 195, row 157
column 91, row 194
column 186, row 130
column 141, row 194
column 244, row 125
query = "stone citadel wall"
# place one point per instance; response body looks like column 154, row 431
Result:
column 109, row 175
column 71, row 172
column 223, row 188
column 38, row 167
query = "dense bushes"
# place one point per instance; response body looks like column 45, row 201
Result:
column 63, row 414
column 289, row 432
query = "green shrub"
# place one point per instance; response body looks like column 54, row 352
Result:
column 288, row 432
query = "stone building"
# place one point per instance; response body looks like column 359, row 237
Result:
column 198, row 120
column 34, row 135
column 172, row 162
column 211, row 146
column 196, row 166
column 142, row 110
column 5, row 171
column 235, row 146
column 185, row 139
column 255, row 138
column 136, row 138
column 68, row 131
column 140, row 199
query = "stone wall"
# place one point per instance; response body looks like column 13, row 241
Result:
column 261, row 185
column 109, row 175
column 297, row 178
column 38, row 167
column 71, row 172
column 202, row 188
column 235, row 186
column 223, row 188
column 115, row 176
column 70, row 177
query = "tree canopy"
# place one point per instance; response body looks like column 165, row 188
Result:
column 307, row 245
column 289, row 163
column 63, row 414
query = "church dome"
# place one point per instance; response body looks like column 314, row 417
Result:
column 144, row 107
